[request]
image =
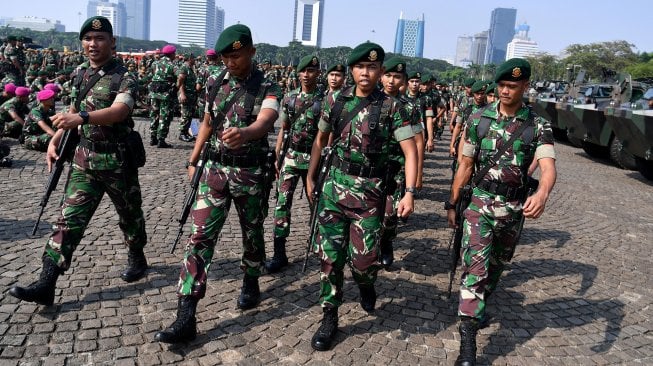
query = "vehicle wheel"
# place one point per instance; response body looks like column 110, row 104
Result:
column 595, row 151
column 645, row 167
column 621, row 157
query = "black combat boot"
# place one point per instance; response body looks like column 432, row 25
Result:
column 387, row 254
column 468, row 328
column 250, row 294
column 368, row 297
column 154, row 141
column 186, row 137
column 184, row 328
column 41, row 291
column 327, row 331
column 136, row 266
column 279, row 259
column 162, row 144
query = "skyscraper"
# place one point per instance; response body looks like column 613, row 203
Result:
column 219, row 21
column 196, row 23
column 479, row 48
column 521, row 45
column 409, row 39
column 463, row 51
column 502, row 28
column 308, row 22
column 114, row 12
column 138, row 18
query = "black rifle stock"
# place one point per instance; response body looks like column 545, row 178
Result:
column 325, row 165
column 65, row 151
column 285, row 144
column 190, row 197
column 455, row 243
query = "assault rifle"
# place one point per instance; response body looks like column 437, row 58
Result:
column 190, row 196
column 65, row 151
column 326, row 159
column 455, row 243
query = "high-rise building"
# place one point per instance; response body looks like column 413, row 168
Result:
column 479, row 48
column 502, row 28
column 308, row 22
column 196, row 23
column 409, row 39
column 463, row 51
column 138, row 18
column 114, row 12
column 37, row 24
column 521, row 45
column 219, row 22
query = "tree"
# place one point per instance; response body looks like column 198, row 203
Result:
column 596, row 57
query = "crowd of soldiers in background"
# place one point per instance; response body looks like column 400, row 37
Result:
column 25, row 72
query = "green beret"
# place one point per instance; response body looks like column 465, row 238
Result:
column 395, row 64
column 433, row 78
column 307, row 61
column 96, row 24
column 42, row 73
column 50, row 68
column 33, row 73
column 425, row 78
column 514, row 69
column 366, row 52
column 469, row 82
column 415, row 75
column 479, row 86
column 233, row 38
column 491, row 88
column 11, row 38
column 337, row 67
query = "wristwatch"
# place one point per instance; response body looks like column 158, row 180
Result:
column 412, row 190
column 449, row 206
column 84, row 115
column 190, row 163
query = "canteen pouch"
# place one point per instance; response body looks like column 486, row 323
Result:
column 135, row 150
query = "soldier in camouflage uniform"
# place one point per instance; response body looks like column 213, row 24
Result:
column 15, row 73
column 492, row 219
column 353, row 197
column 235, row 172
column 478, row 101
column 335, row 78
column 8, row 92
column 209, row 68
column 38, row 83
column 100, row 164
column 490, row 93
column 299, row 117
column 38, row 131
column 424, row 107
column 463, row 99
column 186, row 82
column 13, row 112
column 161, row 97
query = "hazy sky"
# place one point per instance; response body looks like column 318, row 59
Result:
column 554, row 24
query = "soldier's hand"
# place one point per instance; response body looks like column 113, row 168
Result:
column 534, row 206
column 429, row 145
column 182, row 98
column 66, row 121
column 191, row 172
column 452, row 151
column 234, row 137
column 310, row 184
column 451, row 218
column 406, row 206
column 51, row 155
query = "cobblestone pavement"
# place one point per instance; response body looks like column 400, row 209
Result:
column 579, row 289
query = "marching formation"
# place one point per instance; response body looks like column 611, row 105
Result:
column 357, row 147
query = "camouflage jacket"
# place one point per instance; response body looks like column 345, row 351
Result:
column 14, row 104
column 100, row 97
column 163, row 74
column 268, row 96
column 303, row 127
column 38, row 113
column 191, row 78
column 512, row 166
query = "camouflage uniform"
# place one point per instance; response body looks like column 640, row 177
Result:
column 161, row 112
column 349, row 222
column 94, row 173
column 188, row 109
column 203, row 74
column 491, row 221
column 35, row 137
column 12, row 128
column 223, row 182
column 303, row 129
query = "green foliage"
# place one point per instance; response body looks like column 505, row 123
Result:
column 595, row 57
column 641, row 70
column 546, row 67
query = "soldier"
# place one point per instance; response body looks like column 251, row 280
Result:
column 9, row 91
column 492, row 220
column 393, row 79
column 38, row 131
column 38, row 83
column 490, row 93
column 478, row 94
column 102, row 121
column 161, row 96
column 463, row 99
column 424, row 113
column 13, row 112
column 239, row 115
column 352, row 202
column 206, row 70
column 186, row 82
column 335, row 78
column 15, row 73
column 299, row 118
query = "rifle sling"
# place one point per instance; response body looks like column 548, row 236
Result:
column 91, row 82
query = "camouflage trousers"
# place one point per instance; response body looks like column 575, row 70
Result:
column 82, row 195
column 349, row 232
column 390, row 219
column 13, row 129
column 490, row 234
column 286, row 185
column 218, row 187
column 160, row 117
column 188, row 111
column 37, row 142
